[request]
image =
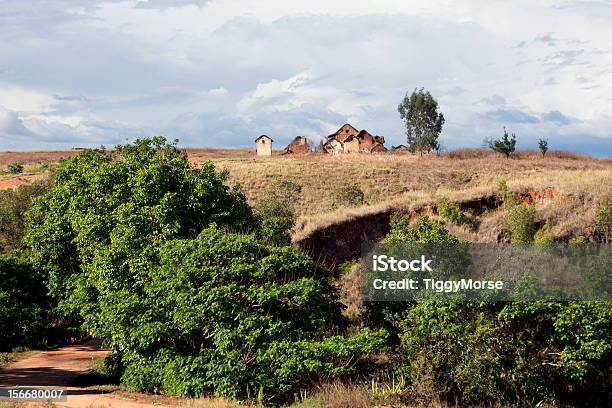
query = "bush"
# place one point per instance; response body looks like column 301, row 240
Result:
column 506, row 145
column 104, row 210
column 276, row 211
column 23, row 304
column 13, row 205
column 450, row 212
column 228, row 315
column 350, row 195
column 15, row 168
column 543, row 146
column 544, row 235
column 520, row 220
column 603, row 219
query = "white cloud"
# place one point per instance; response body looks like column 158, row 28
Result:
column 219, row 72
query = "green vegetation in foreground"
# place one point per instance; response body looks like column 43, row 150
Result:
column 197, row 295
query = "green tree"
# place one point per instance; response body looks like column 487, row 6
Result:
column 13, row 205
column 105, row 209
column 423, row 122
column 506, row 145
column 23, row 304
column 543, row 146
column 276, row 211
column 229, row 315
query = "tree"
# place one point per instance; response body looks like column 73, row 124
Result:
column 105, row 208
column 423, row 122
column 543, row 146
column 276, row 211
column 506, row 145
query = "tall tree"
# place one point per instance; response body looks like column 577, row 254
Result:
column 423, row 122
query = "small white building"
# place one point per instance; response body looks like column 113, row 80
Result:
column 264, row 145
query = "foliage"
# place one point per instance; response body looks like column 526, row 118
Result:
column 350, row 195
column 226, row 314
column 506, row 145
column 276, row 211
column 23, row 301
column 13, row 205
column 603, row 219
column 450, row 212
column 423, row 122
column 425, row 231
column 103, row 210
column 515, row 352
column 520, row 219
column 543, row 146
column 544, row 235
column 15, row 168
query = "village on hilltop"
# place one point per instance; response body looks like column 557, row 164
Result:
column 347, row 139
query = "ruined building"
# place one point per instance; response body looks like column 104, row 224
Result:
column 348, row 139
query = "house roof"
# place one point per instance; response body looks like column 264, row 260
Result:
column 363, row 133
column 262, row 136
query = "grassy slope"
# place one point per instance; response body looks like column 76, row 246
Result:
column 404, row 181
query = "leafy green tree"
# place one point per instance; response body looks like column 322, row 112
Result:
column 506, row 145
column 106, row 208
column 276, row 211
column 23, row 304
column 226, row 314
column 543, row 146
column 423, row 122
column 13, row 205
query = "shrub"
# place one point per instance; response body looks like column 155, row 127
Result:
column 226, row 314
column 520, row 220
column 350, row 195
column 544, row 235
column 15, row 168
column 13, row 205
column 276, row 211
column 23, row 304
column 543, row 146
column 603, row 219
column 450, row 212
column 104, row 210
column 506, row 145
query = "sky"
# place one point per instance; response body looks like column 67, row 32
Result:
column 218, row 73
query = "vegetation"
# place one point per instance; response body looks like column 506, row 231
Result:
column 276, row 210
column 450, row 212
column 23, row 304
column 521, row 219
column 544, row 235
column 603, row 219
column 15, row 168
column 423, row 122
column 151, row 256
column 13, row 205
column 543, row 146
column 506, row 145
column 350, row 195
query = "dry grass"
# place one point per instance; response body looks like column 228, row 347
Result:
column 389, row 181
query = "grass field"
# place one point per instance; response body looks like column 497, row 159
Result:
column 392, row 180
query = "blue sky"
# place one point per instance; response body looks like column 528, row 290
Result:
column 218, row 73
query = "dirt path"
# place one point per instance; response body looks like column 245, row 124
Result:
column 60, row 367
column 17, row 181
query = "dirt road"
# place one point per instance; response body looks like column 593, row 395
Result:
column 61, row 366
column 19, row 180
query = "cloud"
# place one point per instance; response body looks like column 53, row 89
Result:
column 510, row 116
column 557, row 118
column 219, row 72
column 11, row 125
